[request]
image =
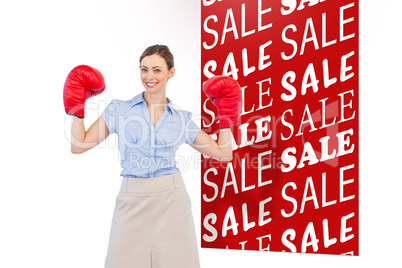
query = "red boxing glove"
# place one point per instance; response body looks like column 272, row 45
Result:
column 225, row 93
column 82, row 82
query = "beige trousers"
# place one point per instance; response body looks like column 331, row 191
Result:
column 153, row 225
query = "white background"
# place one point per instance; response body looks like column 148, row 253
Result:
column 56, row 207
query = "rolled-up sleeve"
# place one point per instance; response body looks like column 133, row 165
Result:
column 110, row 115
column 192, row 129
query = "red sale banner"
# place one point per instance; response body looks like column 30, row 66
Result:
column 292, row 185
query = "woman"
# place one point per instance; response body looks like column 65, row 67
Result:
column 152, row 223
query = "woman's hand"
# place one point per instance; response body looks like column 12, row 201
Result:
column 81, row 83
column 225, row 93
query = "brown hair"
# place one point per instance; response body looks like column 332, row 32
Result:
column 162, row 51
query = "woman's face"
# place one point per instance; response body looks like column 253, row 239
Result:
column 155, row 73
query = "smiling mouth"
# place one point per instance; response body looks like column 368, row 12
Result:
column 151, row 85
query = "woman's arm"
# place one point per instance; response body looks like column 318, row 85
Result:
column 225, row 93
column 221, row 150
column 81, row 140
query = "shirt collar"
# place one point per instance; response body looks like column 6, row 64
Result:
column 140, row 98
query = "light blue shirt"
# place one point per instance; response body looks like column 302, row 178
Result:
column 147, row 150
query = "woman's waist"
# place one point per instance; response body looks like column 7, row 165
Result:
column 141, row 185
column 145, row 173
